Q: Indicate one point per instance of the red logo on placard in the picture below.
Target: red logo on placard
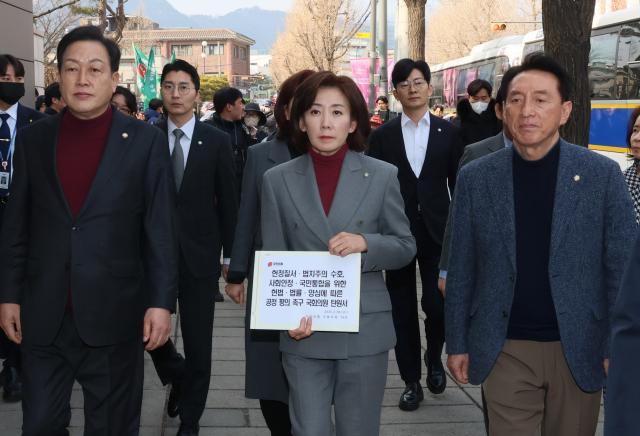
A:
(270, 264)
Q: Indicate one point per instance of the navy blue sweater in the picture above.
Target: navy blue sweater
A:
(533, 315)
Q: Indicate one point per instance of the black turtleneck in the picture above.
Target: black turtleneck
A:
(533, 315)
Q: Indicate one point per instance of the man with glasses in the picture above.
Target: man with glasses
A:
(124, 100)
(206, 214)
(13, 116)
(426, 150)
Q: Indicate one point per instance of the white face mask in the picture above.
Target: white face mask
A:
(251, 121)
(479, 106)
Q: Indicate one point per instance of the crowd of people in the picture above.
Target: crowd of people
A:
(111, 219)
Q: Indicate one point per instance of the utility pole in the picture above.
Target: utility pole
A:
(384, 81)
(372, 56)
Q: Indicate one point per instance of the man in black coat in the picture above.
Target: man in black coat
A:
(476, 113)
(206, 215)
(89, 251)
(426, 150)
(13, 117)
(229, 107)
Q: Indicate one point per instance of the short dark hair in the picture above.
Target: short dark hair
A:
(383, 99)
(180, 65)
(438, 106)
(129, 98)
(6, 60)
(155, 104)
(50, 92)
(285, 94)
(306, 94)
(507, 78)
(225, 96)
(40, 102)
(89, 33)
(403, 68)
(478, 85)
(541, 62)
(632, 120)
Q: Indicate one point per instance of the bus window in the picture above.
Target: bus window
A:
(486, 72)
(628, 71)
(602, 61)
(533, 47)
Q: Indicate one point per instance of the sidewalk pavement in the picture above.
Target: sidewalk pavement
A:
(456, 412)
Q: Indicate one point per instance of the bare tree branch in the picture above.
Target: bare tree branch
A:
(55, 8)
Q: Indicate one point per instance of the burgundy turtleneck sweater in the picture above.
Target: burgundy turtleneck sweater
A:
(327, 169)
(81, 144)
(78, 154)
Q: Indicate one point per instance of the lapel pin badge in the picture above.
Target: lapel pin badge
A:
(576, 178)
(199, 142)
(366, 174)
(125, 135)
(439, 129)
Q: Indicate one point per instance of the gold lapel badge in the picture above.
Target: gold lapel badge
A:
(125, 135)
(576, 178)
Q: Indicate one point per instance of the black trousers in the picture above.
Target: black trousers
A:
(404, 302)
(196, 304)
(111, 378)
(10, 351)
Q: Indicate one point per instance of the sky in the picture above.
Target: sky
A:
(221, 7)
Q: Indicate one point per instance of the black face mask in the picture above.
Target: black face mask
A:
(11, 92)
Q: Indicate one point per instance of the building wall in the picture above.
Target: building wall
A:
(16, 34)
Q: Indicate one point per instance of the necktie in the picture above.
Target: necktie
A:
(5, 137)
(177, 157)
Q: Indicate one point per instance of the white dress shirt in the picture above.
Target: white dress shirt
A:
(12, 121)
(185, 141)
(416, 138)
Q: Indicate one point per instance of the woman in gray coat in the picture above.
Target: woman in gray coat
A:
(334, 198)
(264, 376)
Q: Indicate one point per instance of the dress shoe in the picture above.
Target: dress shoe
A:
(411, 397)
(436, 377)
(218, 297)
(12, 385)
(173, 405)
(188, 430)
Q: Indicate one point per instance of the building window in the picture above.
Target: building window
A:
(182, 50)
(243, 53)
(215, 49)
(235, 51)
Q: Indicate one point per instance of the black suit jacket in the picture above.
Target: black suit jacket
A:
(26, 116)
(207, 205)
(123, 233)
(426, 197)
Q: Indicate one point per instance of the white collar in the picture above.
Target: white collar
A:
(404, 119)
(187, 128)
(12, 111)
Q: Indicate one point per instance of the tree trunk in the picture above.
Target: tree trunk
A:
(102, 14)
(415, 9)
(567, 31)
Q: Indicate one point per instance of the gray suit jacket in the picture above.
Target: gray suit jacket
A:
(367, 201)
(592, 216)
(471, 153)
(260, 158)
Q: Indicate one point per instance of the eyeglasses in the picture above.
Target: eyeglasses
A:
(182, 88)
(124, 110)
(417, 84)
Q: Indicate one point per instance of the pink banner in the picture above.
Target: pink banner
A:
(360, 74)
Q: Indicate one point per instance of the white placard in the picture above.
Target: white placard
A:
(288, 285)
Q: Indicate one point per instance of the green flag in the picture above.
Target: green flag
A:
(150, 88)
(173, 56)
(141, 68)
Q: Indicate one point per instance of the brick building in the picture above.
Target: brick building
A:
(211, 51)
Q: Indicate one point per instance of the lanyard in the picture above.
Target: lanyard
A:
(5, 161)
